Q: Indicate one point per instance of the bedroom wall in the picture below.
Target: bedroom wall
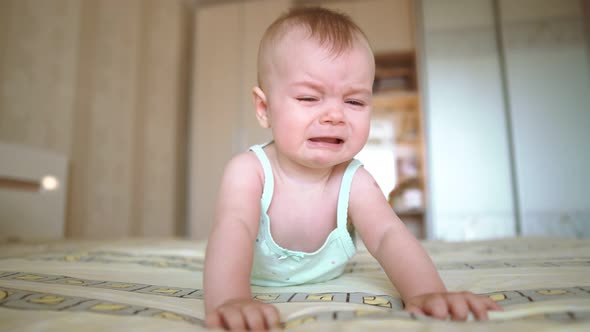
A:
(223, 122)
(388, 24)
(104, 83)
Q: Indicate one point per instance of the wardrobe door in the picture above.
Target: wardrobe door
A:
(467, 137)
(548, 72)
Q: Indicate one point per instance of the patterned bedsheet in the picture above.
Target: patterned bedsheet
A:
(542, 283)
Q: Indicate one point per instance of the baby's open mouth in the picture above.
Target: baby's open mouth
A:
(330, 140)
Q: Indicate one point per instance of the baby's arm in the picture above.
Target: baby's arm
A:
(404, 260)
(228, 260)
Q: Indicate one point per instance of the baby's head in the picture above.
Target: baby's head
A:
(315, 72)
(334, 31)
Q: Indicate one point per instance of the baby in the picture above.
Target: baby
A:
(281, 217)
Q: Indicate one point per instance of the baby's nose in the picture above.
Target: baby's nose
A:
(334, 114)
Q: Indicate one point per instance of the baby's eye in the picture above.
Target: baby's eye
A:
(355, 102)
(307, 99)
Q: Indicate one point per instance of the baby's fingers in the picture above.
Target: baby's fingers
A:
(232, 318)
(436, 306)
(254, 318)
(271, 316)
(459, 308)
(414, 309)
(478, 308)
(214, 321)
(480, 305)
(492, 305)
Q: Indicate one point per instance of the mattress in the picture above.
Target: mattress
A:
(156, 284)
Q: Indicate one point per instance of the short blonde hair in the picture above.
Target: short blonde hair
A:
(334, 30)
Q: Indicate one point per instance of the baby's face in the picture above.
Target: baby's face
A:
(319, 104)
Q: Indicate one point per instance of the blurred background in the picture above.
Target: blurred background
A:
(117, 117)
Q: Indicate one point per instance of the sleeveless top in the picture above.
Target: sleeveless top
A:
(276, 266)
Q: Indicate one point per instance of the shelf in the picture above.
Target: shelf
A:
(395, 71)
(415, 212)
(396, 102)
(396, 99)
(406, 182)
(407, 142)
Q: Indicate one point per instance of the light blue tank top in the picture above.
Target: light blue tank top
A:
(276, 266)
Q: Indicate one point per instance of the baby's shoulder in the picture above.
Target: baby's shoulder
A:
(362, 176)
(244, 165)
(244, 162)
(363, 182)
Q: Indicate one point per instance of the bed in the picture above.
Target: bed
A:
(156, 285)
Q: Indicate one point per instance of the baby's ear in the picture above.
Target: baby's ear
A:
(261, 107)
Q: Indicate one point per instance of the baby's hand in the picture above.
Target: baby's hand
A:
(457, 305)
(244, 314)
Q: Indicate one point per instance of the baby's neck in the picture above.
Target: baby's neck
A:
(303, 176)
(297, 174)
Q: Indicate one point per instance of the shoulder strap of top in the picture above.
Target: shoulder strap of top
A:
(267, 191)
(344, 194)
